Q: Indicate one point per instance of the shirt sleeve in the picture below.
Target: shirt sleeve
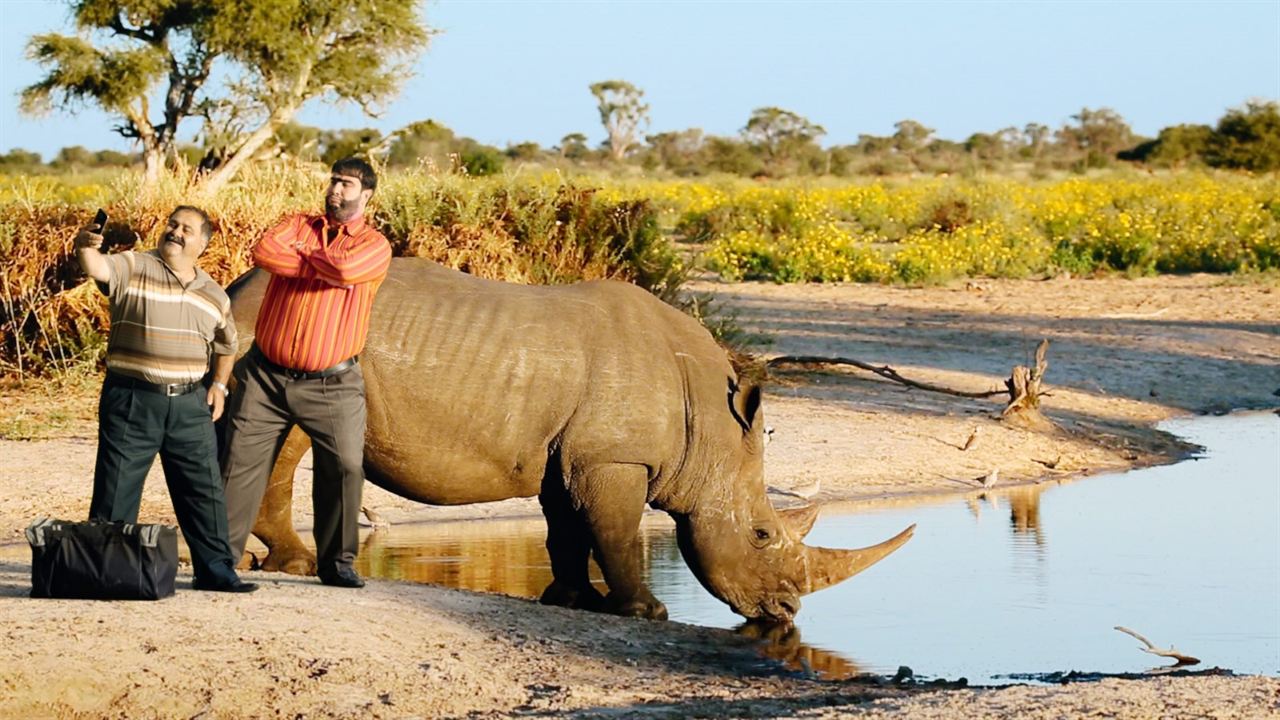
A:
(120, 273)
(275, 252)
(365, 259)
(224, 335)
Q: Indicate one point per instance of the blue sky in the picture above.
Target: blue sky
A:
(511, 71)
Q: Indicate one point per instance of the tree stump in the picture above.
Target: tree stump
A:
(1023, 409)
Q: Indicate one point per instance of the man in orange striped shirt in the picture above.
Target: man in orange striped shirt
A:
(304, 370)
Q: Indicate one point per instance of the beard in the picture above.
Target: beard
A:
(341, 210)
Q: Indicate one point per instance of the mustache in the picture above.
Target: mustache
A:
(170, 237)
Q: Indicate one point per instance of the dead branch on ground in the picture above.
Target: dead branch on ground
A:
(883, 371)
(1162, 652)
(1023, 386)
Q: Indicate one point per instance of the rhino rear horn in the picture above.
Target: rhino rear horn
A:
(799, 519)
(827, 566)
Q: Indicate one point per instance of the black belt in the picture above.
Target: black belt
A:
(304, 374)
(170, 390)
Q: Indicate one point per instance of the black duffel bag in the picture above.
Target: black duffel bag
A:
(102, 560)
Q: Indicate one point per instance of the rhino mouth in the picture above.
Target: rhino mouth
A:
(780, 609)
(777, 610)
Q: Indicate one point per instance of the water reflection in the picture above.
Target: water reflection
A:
(1024, 509)
(499, 556)
(782, 643)
(509, 557)
(981, 591)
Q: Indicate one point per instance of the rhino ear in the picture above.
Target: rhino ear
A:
(744, 402)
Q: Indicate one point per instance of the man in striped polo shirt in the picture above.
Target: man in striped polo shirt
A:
(303, 367)
(168, 318)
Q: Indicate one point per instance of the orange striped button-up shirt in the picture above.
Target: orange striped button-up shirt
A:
(315, 313)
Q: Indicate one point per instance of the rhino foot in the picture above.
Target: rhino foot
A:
(294, 562)
(562, 595)
(649, 607)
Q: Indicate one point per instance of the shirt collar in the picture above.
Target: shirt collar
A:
(352, 226)
(200, 278)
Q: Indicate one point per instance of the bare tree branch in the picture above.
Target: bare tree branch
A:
(883, 371)
(1162, 652)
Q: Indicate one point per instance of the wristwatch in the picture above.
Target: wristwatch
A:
(225, 390)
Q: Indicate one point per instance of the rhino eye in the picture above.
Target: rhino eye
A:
(761, 536)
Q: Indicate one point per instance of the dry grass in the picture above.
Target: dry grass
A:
(543, 230)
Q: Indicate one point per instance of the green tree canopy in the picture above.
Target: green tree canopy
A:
(680, 152)
(910, 137)
(573, 146)
(423, 140)
(1247, 138)
(157, 39)
(279, 54)
(781, 136)
(19, 158)
(1097, 134)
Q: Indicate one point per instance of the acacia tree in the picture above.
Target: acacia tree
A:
(279, 54)
(1098, 135)
(910, 137)
(291, 51)
(1037, 135)
(573, 146)
(780, 135)
(161, 39)
(622, 112)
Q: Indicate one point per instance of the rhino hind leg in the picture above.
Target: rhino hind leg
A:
(274, 526)
(568, 546)
(612, 498)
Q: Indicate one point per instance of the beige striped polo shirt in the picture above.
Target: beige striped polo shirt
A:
(164, 331)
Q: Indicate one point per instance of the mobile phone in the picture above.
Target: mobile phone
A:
(100, 220)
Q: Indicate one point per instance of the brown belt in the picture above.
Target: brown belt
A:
(303, 374)
(170, 390)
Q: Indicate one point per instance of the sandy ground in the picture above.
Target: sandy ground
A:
(1124, 355)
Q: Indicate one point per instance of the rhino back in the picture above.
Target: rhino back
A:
(473, 384)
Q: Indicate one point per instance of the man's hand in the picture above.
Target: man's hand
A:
(90, 237)
(216, 400)
(91, 260)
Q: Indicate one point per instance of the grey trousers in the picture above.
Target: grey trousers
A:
(263, 409)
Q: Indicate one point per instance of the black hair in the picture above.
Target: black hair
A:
(357, 168)
(206, 224)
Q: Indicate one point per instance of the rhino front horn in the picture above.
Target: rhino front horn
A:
(827, 566)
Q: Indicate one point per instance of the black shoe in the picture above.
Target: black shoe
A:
(342, 577)
(231, 586)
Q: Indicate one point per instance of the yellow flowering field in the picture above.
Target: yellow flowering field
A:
(937, 229)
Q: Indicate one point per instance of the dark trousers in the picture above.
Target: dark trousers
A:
(134, 425)
(264, 407)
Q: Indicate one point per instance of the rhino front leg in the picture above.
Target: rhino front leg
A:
(569, 547)
(612, 498)
(274, 526)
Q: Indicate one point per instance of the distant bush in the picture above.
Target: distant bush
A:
(1247, 138)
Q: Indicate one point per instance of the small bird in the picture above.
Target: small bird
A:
(990, 479)
(375, 519)
(807, 490)
(804, 492)
(973, 437)
(768, 434)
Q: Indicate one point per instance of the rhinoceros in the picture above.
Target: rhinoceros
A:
(598, 398)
